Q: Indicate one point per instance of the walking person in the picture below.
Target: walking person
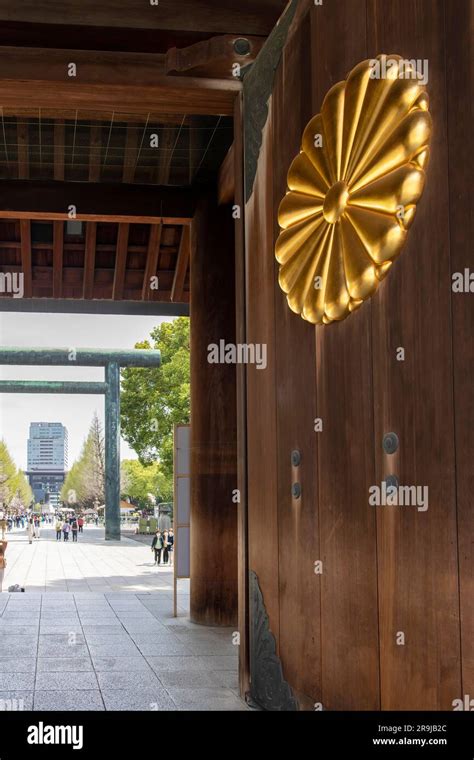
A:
(3, 561)
(80, 523)
(165, 547)
(59, 528)
(36, 527)
(170, 545)
(157, 546)
(74, 528)
(3, 524)
(66, 529)
(30, 528)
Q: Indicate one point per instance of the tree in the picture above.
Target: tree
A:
(154, 400)
(85, 482)
(144, 483)
(14, 487)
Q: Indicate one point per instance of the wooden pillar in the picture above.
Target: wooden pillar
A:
(213, 419)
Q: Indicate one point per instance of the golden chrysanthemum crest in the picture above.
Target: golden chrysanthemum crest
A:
(353, 190)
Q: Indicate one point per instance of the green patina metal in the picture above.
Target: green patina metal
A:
(47, 386)
(111, 360)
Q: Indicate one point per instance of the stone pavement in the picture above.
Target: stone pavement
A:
(95, 631)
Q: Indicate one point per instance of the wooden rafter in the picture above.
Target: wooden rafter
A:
(130, 157)
(58, 254)
(95, 153)
(26, 263)
(59, 140)
(120, 261)
(152, 260)
(181, 265)
(89, 259)
(167, 137)
(23, 149)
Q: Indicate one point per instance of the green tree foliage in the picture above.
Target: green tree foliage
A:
(144, 484)
(84, 483)
(14, 487)
(154, 400)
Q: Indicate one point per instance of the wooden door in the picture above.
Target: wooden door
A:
(330, 639)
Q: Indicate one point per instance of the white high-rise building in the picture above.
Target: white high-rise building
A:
(47, 460)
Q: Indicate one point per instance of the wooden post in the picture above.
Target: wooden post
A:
(213, 420)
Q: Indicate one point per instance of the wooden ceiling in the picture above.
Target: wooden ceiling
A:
(127, 141)
(135, 201)
(105, 260)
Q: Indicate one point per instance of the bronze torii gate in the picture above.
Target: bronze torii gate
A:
(111, 360)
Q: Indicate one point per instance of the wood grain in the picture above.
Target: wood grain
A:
(349, 635)
(213, 420)
(298, 519)
(459, 37)
(417, 557)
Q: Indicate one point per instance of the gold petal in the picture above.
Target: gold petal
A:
(381, 234)
(422, 158)
(292, 240)
(316, 154)
(311, 305)
(392, 191)
(408, 216)
(295, 267)
(337, 296)
(396, 100)
(295, 207)
(376, 93)
(361, 272)
(382, 270)
(405, 141)
(332, 112)
(356, 88)
(303, 177)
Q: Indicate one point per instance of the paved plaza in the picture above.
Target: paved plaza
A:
(95, 631)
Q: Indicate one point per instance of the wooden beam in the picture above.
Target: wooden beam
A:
(59, 146)
(167, 139)
(25, 239)
(120, 261)
(226, 179)
(23, 149)
(58, 254)
(212, 16)
(74, 37)
(181, 265)
(89, 259)
(126, 82)
(215, 57)
(108, 202)
(95, 153)
(130, 156)
(152, 260)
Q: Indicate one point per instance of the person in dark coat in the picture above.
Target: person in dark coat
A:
(157, 546)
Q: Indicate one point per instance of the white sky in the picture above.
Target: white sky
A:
(59, 331)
